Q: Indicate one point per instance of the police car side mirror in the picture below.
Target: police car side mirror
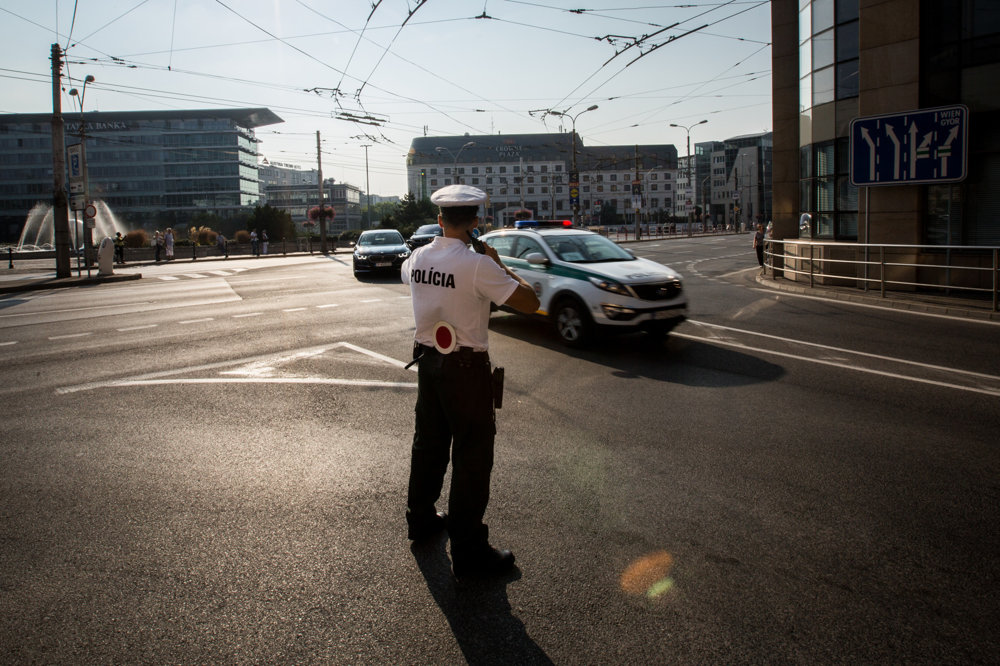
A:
(538, 259)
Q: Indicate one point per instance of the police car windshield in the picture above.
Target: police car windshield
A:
(381, 238)
(587, 249)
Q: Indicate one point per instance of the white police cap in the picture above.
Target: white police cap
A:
(458, 195)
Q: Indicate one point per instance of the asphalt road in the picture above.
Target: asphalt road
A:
(209, 466)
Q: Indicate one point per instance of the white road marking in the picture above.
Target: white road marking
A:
(252, 369)
(193, 275)
(137, 328)
(293, 309)
(92, 307)
(371, 300)
(845, 366)
(5, 344)
(71, 335)
(167, 277)
(969, 320)
(249, 314)
(329, 305)
(742, 270)
(196, 321)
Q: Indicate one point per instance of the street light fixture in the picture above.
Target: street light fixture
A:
(688, 130)
(575, 173)
(442, 149)
(88, 238)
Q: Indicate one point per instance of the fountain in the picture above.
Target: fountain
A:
(38, 232)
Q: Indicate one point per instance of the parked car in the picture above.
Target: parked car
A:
(423, 235)
(380, 250)
(587, 283)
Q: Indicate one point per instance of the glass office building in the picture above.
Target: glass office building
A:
(835, 61)
(152, 168)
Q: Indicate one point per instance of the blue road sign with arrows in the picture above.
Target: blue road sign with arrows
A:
(911, 148)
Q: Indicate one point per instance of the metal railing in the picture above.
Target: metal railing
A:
(971, 269)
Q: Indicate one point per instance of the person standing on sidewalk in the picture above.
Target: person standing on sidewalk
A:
(758, 245)
(451, 289)
(158, 244)
(168, 241)
(119, 247)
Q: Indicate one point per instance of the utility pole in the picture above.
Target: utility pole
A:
(60, 206)
(635, 211)
(322, 216)
(368, 187)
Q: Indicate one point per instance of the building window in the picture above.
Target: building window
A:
(475, 170)
(503, 169)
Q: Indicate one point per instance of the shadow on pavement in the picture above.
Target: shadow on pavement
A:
(675, 360)
(478, 612)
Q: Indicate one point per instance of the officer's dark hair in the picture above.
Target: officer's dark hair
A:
(457, 216)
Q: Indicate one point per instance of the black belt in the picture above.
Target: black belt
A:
(467, 354)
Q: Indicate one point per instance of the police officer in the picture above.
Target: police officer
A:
(452, 288)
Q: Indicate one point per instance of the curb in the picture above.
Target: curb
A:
(948, 308)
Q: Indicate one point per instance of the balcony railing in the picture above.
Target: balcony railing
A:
(972, 271)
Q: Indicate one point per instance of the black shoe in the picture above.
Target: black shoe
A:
(423, 529)
(483, 562)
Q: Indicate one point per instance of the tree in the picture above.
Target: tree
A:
(276, 222)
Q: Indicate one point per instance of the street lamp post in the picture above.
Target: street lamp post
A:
(455, 156)
(688, 130)
(88, 238)
(575, 173)
(704, 201)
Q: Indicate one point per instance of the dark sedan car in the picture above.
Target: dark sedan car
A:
(380, 250)
(424, 235)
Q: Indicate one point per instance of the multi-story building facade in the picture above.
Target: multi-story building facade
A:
(532, 171)
(297, 199)
(149, 167)
(837, 61)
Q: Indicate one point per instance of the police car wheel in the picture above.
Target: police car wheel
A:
(572, 322)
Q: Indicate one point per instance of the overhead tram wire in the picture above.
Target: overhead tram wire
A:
(329, 66)
(420, 3)
(120, 16)
(411, 62)
(591, 94)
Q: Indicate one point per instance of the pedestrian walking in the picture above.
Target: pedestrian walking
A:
(253, 242)
(263, 240)
(158, 244)
(168, 243)
(451, 290)
(220, 243)
(758, 245)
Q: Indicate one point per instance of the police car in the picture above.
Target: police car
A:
(587, 283)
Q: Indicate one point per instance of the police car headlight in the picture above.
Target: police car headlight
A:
(610, 285)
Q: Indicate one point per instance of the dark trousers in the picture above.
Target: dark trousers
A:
(760, 255)
(454, 415)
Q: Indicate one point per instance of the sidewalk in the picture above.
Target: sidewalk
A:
(967, 307)
(38, 274)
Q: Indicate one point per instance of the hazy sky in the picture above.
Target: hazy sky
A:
(386, 71)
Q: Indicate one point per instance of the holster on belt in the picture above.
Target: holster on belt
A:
(497, 388)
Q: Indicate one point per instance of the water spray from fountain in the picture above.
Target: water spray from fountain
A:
(38, 232)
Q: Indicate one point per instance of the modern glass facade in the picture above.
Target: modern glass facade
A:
(828, 91)
(145, 165)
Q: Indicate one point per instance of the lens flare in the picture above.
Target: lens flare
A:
(649, 575)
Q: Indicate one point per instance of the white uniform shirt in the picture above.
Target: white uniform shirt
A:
(451, 283)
